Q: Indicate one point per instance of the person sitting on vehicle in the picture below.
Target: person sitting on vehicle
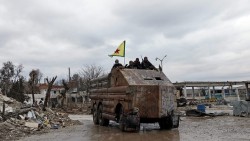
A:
(130, 66)
(146, 64)
(137, 63)
(117, 64)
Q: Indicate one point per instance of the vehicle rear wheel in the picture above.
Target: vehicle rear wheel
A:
(176, 125)
(95, 115)
(102, 121)
(166, 123)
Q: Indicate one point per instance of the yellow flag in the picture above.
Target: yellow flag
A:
(120, 51)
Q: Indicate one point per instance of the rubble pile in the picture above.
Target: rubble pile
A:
(23, 120)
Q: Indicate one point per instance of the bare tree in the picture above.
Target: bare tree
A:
(11, 81)
(33, 81)
(66, 88)
(87, 73)
(17, 75)
(17, 90)
(50, 84)
(6, 75)
(40, 75)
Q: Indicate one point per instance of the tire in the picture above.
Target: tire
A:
(161, 124)
(121, 124)
(122, 127)
(137, 129)
(178, 121)
(95, 115)
(102, 121)
(166, 123)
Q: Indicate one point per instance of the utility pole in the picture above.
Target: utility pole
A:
(69, 75)
(161, 60)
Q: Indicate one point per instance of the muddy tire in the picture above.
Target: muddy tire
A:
(122, 127)
(137, 128)
(121, 123)
(178, 121)
(166, 123)
(95, 115)
(102, 121)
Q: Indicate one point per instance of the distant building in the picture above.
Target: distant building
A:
(229, 90)
(56, 90)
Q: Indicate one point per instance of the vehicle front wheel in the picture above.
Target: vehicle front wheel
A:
(95, 115)
(176, 121)
(102, 121)
(121, 122)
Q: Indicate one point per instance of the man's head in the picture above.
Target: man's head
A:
(130, 62)
(137, 60)
(145, 58)
(116, 61)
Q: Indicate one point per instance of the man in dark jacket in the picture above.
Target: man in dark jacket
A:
(117, 64)
(146, 64)
(137, 63)
(130, 66)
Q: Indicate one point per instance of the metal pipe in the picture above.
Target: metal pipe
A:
(161, 60)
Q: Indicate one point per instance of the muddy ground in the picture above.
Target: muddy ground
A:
(221, 128)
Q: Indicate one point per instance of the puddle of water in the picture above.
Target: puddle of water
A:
(81, 117)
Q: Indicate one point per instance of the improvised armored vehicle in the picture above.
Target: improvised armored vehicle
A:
(134, 96)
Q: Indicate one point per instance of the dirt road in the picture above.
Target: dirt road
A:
(225, 128)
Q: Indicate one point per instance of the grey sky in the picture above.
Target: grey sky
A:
(203, 40)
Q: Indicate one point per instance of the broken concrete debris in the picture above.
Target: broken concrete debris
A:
(31, 124)
(23, 120)
(241, 108)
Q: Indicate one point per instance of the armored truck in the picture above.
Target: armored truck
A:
(134, 96)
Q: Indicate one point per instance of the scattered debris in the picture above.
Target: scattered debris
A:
(198, 113)
(241, 108)
(221, 114)
(181, 102)
(31, 124)
(6, 99)
(195, 113)
(24, 120)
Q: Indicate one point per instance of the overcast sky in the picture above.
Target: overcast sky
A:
(204, 40)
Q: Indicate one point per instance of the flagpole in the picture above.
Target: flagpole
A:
(124, 61)
(124, 51)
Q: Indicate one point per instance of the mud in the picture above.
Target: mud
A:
(224, 128)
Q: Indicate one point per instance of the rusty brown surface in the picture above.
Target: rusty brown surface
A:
(108, 103)
(99, 96)
(120, 89)
(117, 78)
(149, 90)
(147, 100)
(167, 100)
(145, 77)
